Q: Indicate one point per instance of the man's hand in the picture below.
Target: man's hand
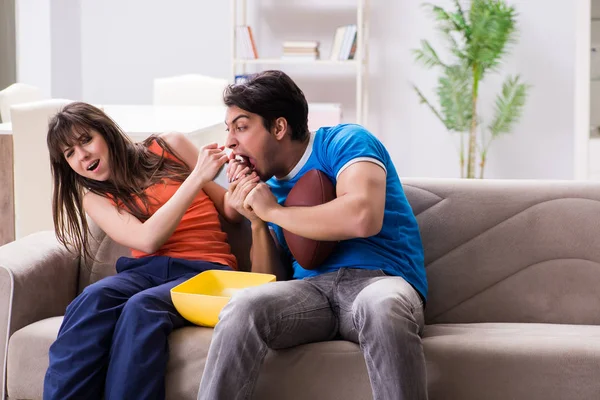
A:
(238, 191)
(261, 201)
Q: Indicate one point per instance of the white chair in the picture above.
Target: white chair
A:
(189, 90)
(32, 176)
(17, 93)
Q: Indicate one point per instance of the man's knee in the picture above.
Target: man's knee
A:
(262, 306)
(385, 301)
(250, 304)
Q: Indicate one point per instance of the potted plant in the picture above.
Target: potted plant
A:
(477, 40)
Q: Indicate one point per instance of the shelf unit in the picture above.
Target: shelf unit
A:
(359, 63)
(593, 156)
(266, 61)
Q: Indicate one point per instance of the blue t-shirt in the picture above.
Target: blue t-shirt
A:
(397, 248)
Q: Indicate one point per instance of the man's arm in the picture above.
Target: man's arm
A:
(357, 211)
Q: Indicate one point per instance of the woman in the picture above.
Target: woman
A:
(156, 197)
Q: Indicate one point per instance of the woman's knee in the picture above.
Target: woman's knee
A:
(141, 305)
(96, 296)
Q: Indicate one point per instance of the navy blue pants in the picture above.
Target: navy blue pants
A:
(113, 339)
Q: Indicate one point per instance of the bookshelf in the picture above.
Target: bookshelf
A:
(359, 63)
(267, 61)
(593, 156)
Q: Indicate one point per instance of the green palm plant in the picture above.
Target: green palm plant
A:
(477, 40)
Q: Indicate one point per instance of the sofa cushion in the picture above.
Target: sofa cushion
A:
(288, 374)
(464, 361)
(495, 361)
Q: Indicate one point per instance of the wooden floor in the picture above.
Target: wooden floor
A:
(7, 212)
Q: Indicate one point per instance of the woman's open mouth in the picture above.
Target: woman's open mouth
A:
(93, 166)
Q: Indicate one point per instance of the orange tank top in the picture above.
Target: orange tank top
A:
(199, 235)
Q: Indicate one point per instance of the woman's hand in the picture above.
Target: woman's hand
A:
(238, 190)
(210, 161)
(237, 168)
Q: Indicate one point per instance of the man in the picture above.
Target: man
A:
(369, 291)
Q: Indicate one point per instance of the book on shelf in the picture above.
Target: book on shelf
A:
(245, 44)
(300, 50)
(344, 43)
(310, 44)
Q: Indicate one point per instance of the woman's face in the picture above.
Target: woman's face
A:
(88, 156)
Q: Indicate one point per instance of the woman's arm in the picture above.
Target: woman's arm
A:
(220, 196)
(188, 152)
(265, 254)
(150, 235)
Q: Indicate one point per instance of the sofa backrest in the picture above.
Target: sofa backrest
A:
(509, 251)
(107, 252)
(495, 251)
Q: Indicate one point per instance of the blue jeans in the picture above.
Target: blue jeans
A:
(383, 314)
(113, 339)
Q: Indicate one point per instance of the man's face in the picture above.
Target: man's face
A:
(247, 137)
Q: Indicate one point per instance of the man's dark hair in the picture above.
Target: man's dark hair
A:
(272, 94)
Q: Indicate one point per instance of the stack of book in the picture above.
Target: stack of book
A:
(344, 43)
(246, 47)
(305, 50)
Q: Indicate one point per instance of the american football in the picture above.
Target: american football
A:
(312, 189)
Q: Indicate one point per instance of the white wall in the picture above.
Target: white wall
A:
(542, 145)
(127, 44)
(33, 43)
(65, 28)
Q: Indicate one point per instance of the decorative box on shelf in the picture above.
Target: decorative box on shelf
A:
(323, 114)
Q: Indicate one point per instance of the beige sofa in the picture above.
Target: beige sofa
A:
(513, 311)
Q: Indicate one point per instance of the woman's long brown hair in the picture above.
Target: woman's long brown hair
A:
(133, 168)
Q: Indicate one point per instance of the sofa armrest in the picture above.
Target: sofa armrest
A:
(38, 279)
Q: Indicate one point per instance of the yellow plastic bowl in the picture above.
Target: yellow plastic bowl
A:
(201, 298)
